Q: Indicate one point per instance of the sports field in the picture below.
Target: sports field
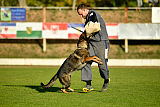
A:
(129, 87)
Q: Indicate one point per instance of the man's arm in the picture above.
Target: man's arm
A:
(92, 17)
(92, 25)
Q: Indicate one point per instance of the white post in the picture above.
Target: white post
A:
(44, 20)
(126, 45)
(74, 4)
(44, 14)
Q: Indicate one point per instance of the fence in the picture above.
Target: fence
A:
(44, 29)
(110, 14)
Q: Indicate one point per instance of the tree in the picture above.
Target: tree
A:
(2, 2)
(22, 3)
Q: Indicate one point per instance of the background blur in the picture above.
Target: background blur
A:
(64, 11)
(92, 3)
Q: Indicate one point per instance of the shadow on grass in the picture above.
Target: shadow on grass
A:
(51, 89)
(38, 88)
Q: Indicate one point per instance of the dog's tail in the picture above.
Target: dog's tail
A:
(51, 82)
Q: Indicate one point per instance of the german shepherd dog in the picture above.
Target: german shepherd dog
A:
(76, 61)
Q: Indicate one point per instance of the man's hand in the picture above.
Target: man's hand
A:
(92, 27)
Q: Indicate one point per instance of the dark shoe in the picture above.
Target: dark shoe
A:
(105, 86)
(87, 88)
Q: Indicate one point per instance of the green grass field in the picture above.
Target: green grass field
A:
(129, 87)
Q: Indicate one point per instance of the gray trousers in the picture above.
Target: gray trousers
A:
(101, 50)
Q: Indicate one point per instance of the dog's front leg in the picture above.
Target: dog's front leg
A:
(93, 58)
(96, 58)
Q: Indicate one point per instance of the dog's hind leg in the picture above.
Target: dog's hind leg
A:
(69, 82)
(51, 82)
(66, 81)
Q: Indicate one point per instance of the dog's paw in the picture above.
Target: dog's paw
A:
(70, 89)
(99, 59)
(101, 63)
(64, 91)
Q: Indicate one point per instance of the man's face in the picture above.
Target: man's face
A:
(83, 13)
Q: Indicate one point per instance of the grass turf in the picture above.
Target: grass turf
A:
(129, 87)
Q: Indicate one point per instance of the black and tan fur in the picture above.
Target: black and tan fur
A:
(76, 61)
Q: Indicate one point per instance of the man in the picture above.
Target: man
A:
(98, 46)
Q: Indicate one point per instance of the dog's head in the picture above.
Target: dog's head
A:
(83, 41)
